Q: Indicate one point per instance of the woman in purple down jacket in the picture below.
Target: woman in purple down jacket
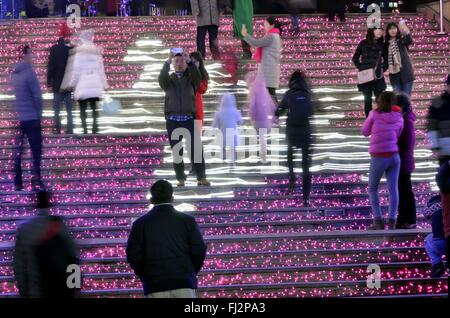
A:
(384, 126)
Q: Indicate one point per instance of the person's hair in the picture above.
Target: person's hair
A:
(390, 26)
(161, 192)
(404, 102)
(43, 200)
(24, 50)
(198, 56)
(298, 74)
(276, 24)
(178, 54)
(385, 102)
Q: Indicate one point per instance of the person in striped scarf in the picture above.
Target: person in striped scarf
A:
(401, 72)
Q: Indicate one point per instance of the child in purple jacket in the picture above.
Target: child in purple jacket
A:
(407, 202)
(384, 126)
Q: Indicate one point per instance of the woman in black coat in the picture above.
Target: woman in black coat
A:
(396, 51)
(298, 103)
(368, 55)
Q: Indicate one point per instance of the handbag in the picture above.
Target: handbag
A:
(110, 106)
(368, 75)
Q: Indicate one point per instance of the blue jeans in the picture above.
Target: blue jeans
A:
(378, 166)
(403, 88)
(435, 248)
(58, 98)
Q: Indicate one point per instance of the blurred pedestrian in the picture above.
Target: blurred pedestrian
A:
(44, 249)
(439, 124)
(268, 53)
(28, 105)
(243, 16)
(227, 119)
(207, 15)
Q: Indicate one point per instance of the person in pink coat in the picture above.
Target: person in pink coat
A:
(384, 126)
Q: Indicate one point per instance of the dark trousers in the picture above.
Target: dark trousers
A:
(336, 7)
(212, 30)
(443, 160)
(407, 201)
(58, 99)
(448, 251)
(306, 162)
(273, 93)
(32, 130)
(193, 144)
(83, 106)
(368, 91)
(246, 49)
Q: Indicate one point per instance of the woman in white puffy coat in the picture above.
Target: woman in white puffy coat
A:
(86, 76)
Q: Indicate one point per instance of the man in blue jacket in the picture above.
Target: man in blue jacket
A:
(165, 248)
(28, 107)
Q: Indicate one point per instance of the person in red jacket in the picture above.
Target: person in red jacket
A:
(200, 115)
(407, 203)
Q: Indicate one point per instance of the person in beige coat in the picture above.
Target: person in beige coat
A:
(207, 14)
(268, 53)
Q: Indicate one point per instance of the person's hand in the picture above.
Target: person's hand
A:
(244, 31)
(386, 73)
(196, 13)
(169, 60)
(186, 57)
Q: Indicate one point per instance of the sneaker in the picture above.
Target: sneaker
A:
(437, 270)
(390, 224)
(181, 183)
(204, 182)
(378, 224)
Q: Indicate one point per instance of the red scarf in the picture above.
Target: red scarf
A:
(258, 54)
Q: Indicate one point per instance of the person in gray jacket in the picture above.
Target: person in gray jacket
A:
(268, 53)
(207, 14)
(28, 107)
(180, 112)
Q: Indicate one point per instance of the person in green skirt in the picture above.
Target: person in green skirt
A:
(243, 15)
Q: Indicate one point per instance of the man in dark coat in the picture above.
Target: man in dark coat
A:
(207, 15)
(165, 248)
(57, 62)
(44, 249)
(298, 103)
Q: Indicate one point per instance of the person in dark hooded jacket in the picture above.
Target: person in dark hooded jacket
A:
(406, 218)
(28, 107)
(57, 63)
(298, 104)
